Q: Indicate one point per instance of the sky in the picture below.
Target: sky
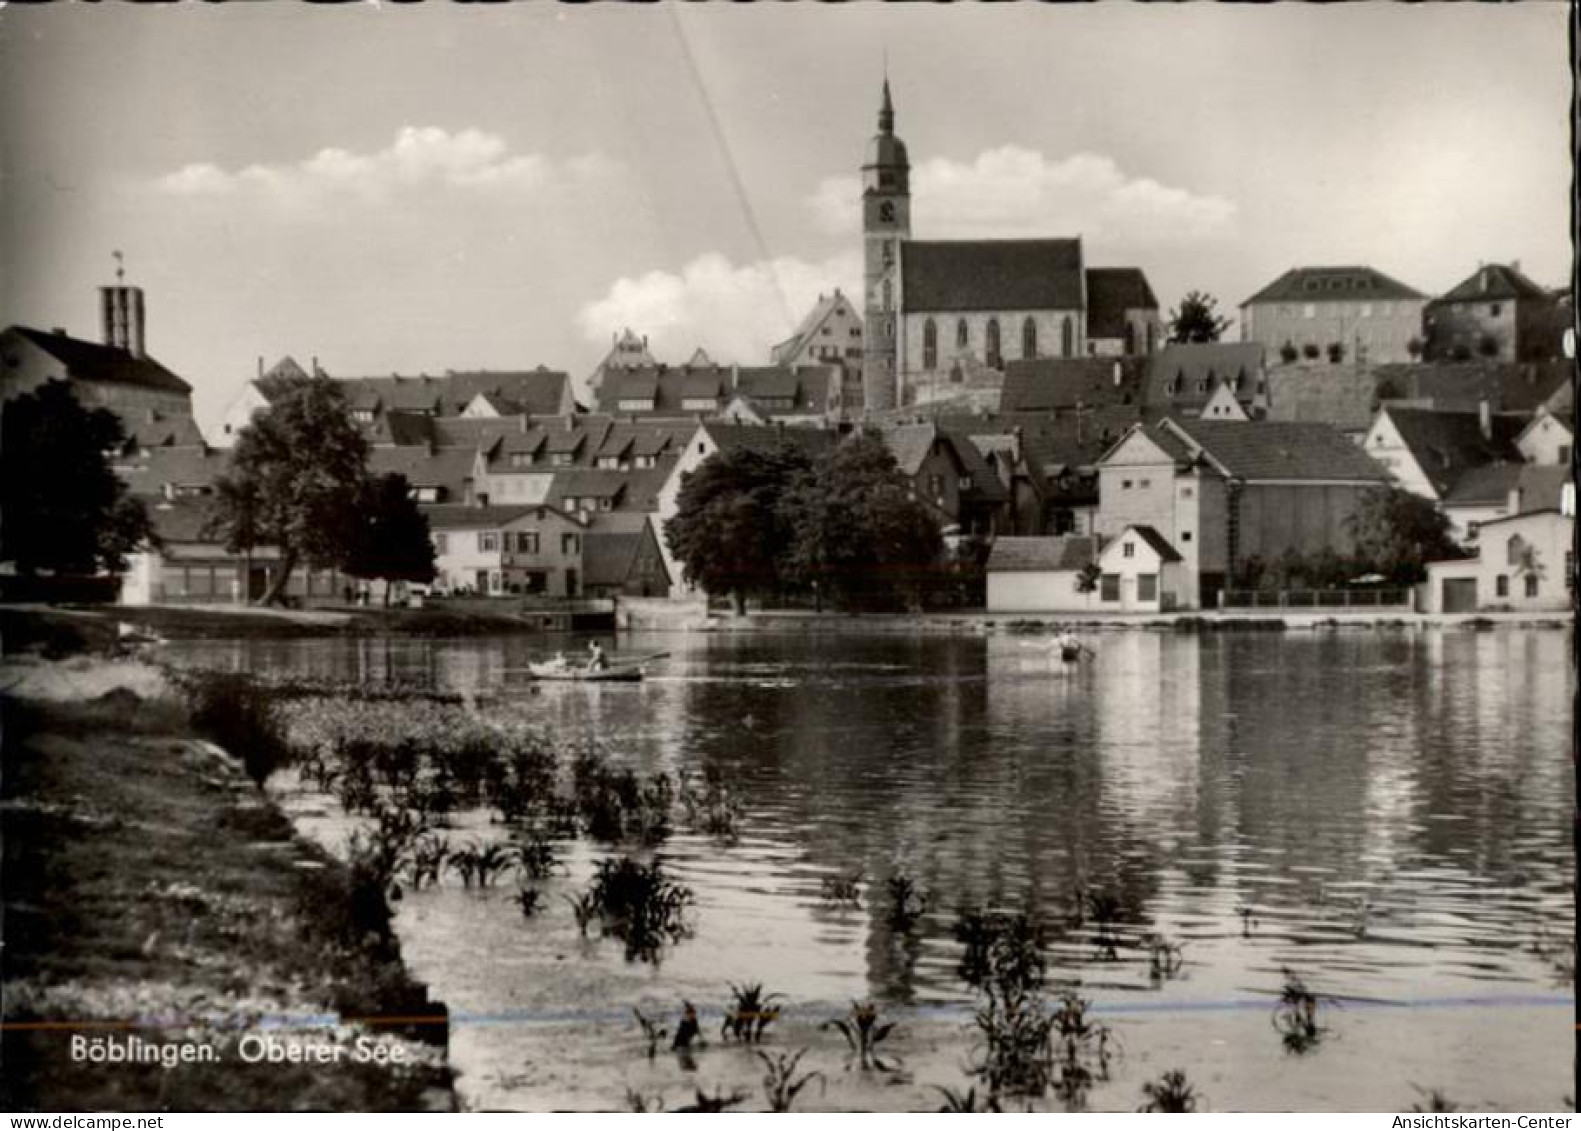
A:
(414, 189)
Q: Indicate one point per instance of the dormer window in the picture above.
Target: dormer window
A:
(521, 459)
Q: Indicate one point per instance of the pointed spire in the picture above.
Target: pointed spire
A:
(886, 112)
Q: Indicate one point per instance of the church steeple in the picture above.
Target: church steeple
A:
(886, 225)
(886, 112)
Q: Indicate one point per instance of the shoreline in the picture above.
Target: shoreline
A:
(175, 944)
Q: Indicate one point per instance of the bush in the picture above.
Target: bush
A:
(1488, 345)
(236, 713)
(1310, 351)
(1336, 352)
(1288, 352)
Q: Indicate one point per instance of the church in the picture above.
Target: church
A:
(943, 313)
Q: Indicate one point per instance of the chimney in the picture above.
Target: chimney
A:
(735, 376)
(260, 365)
(1485, 419)
(60, 331)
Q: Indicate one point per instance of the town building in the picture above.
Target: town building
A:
(1215, 380)
(1140, 572)
(1495, 313)
(949, 473)
(1523, 563)
(703, 390)
(1427, 452)
(621, 557)
(531, 551)
(940, 313)
(1548, 438)
(1221, 493)
(626, 351)
(115, 373)
(830, 334)
(1040, 574)
(1370, 316)
(1498, 490)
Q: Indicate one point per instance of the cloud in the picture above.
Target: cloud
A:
(1011, 191)
(420, 158)
(735, 312)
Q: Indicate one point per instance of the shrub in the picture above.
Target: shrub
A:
(1288, 352)
(1310, 351)
(237, 714)
(640, 905)
(1336, 352)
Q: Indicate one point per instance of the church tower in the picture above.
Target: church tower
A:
(886, 222)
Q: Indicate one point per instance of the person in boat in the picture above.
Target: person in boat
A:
(1069, 647)
(595, 657)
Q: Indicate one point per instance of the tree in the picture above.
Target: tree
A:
(1397, 533)
(64, 508)
(1087, 578)
(858, 533)
(729, 531)
(392, 539)
(295, 481)
(1197, 319)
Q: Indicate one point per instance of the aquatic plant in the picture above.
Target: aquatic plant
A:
(749, 1013)
(1435, 1100)
(1015, 1047)
(863, 1033)
(907, 903)
(652, 1032)
(1006, 950)
(687, 1031)
(529, 900)
(535, 857)
(1103, 908)
(1295, 1017)
(845, 888)
(1165, 957)
(705, 1103)
(1171, 1093)
(640, 1104)
(781, 1084)
(584, 908)
(713, 808)
(1081, 1051)
(426, 860)
(640, 905)
(484, 863)
(965, 1103)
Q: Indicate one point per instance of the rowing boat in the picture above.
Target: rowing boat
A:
(627, 673)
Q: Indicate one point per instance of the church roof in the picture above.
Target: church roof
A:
(951, 275)
(1111, 291)
(90, 361)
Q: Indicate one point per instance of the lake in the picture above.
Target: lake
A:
(1386, 813)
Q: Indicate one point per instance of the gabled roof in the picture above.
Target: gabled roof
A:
(403, 429)
(1461, 386)
(1025, 555)
(154, 429)
(627, 489)
(1008, 275)
(1447, 444)
(1111, 291)
(1153, 538)
(821, 312)
(1491, 282)
(448, 469)
(1057, 384)
(1264, 450)
(1334, 284)
(1342, 395)
(99, 364)
(911, 445)
(1184, 366)
(1481, 486)
(152, 469)
(1541, 486)
(182, 520)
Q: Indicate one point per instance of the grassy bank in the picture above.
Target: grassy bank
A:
(153, 895)
(96, 626)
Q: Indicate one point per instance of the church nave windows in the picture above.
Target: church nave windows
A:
(1067, 338)
(963, 337)
(930, 345)
(1029, 339)
(991, 351)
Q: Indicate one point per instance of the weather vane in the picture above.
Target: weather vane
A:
(120, 267)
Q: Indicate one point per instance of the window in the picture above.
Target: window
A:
(1531, 585)
(1147, 587)
(1067, 338)
(930, 345)
(1513, 549)
(1109, 587)
(426, 494)
(1125, 484)
(991, 350)
(441, 543)
(1029, 339)
(1130, 339)
(1185, 535)
(1309, 311)
(1185, 492)
(936, 485)
(527, 542)
(1501, 585)
(1128, 550)
(1144, 483)
(488, 541)
(966, 483)
(521, 459)
(1564, 453)
(1493, 309)
(568, 542)
(889, 294)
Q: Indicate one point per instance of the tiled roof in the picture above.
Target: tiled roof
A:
(1447, 444)
(154, 429)
(1153, 538)
(810, 323)
(182, 520)
(1334, 284)
(986, 484)
(1263, 450)
(1460, 386)
(446, 468)
(992, 275)
(628, 489)
(1484, 485)
(734, 437)
(1341, 395)
(910, 444)
(461, 517)
(403, 429)
(90, 361)
(1052, 385)
(1541, 486)
(1493, 281)
(1024, 555)
(1111, 291)
(1185, 365)
(152, 469)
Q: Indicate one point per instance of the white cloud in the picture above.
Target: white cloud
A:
(1011, 191)
(734, 312)
(420, 158)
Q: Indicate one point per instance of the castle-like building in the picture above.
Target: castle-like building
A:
(942, 313)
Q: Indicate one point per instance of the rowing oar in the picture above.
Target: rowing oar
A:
(643, 659)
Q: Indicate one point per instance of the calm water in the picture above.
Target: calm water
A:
(1387, 813)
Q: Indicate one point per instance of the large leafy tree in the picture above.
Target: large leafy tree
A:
(1197, 319)
(729, 531)
(392, 539)
(295, 481)
(62, 507)
(1397, 533)
(858, 534)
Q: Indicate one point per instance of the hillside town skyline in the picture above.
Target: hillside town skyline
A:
(1183, 230)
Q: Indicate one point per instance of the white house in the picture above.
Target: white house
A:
(1524, 563)
(1140, 572)
(1038, 575)
(1548, 439)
